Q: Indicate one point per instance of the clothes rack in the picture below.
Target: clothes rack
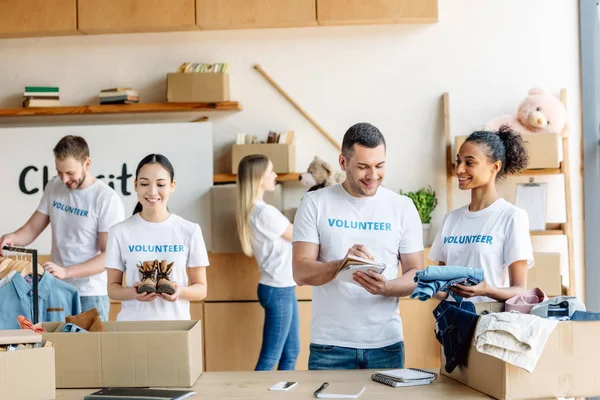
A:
(34, 265)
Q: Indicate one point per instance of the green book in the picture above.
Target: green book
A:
(41, 89)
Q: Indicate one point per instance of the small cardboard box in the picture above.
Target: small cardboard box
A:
(128, 354)
(19, 369)
(282, 155)
(197, 87)
(544, 149)
(566, 368)
(224, 233)
(545, 274)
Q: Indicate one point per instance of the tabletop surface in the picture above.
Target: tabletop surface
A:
(255, 385)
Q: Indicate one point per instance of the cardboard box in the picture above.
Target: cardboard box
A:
(544, 149)
(224, 233)
(283, 156)
(19, 368)
(566, 368)
(128, 354)
(545, 274)
(197, 87)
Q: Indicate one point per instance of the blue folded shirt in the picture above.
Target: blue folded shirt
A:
(435, 279)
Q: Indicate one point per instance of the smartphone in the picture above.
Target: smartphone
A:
(283, 385)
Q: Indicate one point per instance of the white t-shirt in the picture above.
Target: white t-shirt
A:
(136, 240)
(273, 253)
(76, 218)
(492, 239)
(344, 314)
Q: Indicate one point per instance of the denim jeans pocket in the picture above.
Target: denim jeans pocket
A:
(321, 347)
(394, 348)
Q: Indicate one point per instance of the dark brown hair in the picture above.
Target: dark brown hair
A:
(72, 146)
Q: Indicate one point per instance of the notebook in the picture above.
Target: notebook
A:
(404, 377)
(341, 391)
(352, 264)
(139, 394)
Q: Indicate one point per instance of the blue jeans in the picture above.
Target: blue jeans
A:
(281, 332)
(101, 303)
(337, 357)
(585, 316)
(455, 325)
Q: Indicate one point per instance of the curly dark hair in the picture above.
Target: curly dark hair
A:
(505, 145)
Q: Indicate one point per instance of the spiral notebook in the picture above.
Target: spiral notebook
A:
(404, 377)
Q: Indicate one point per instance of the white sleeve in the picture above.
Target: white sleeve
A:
(44, 206)
(517, 245)
(112, 257)
(412, 231)
(271, 222)
(436, 252)
(305, 222)
(197, 256)
(110, 211)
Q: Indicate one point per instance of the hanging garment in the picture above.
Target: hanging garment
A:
(56, 301)
(454, 328)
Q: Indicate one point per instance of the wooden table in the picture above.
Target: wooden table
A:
(254, 385)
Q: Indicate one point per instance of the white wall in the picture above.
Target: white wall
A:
(487, 54)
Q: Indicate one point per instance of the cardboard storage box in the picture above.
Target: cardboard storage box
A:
(19, 369)
(545, 274)
(128, 354)
(224, 233)
(566, 368)
(197, 87)
(544, 149)
(283, 156)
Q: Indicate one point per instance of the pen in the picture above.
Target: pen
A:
(319, 390)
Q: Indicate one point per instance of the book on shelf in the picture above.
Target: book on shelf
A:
(352, 264)
(404, 377)
(41, 89)
(29, 102)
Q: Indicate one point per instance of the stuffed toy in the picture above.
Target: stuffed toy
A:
(320, 174)
(540, 112)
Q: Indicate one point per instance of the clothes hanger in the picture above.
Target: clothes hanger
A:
(9, 267)
(4, 264)
(28, 269)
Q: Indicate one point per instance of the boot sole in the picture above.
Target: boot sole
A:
(165, 289)
(146, 289)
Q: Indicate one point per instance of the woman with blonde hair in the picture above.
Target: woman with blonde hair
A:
(267, 234)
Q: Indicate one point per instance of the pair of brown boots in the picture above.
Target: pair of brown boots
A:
(155, 277)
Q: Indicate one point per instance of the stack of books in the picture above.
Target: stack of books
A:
(124, 95)
(41, 96)
(273, 137)
(404, 377)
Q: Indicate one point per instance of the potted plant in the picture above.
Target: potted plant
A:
(425, 200)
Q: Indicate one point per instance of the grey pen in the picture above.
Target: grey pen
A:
(319, 390)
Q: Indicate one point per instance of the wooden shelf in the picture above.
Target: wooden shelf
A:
(527, 172)
(230, 178)
(121, 109)
(551, 229)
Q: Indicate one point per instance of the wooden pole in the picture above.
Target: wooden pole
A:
(449, 164)
(297, 106)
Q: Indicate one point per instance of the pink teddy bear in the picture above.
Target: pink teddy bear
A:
(540, 112)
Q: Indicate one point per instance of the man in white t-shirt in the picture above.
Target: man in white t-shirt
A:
(357, 326)
(80, 210)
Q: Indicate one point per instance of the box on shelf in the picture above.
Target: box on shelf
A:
(282, 155)
(224, 229)
(545, 274)
(19, 368)
(197, 87)
(566, 368)
(545, 149)
(128, 354)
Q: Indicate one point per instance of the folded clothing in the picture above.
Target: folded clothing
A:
(525, 302)
(88, 320)
(516, 338)
(560, 307)
(435, 279)
(25, 323)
